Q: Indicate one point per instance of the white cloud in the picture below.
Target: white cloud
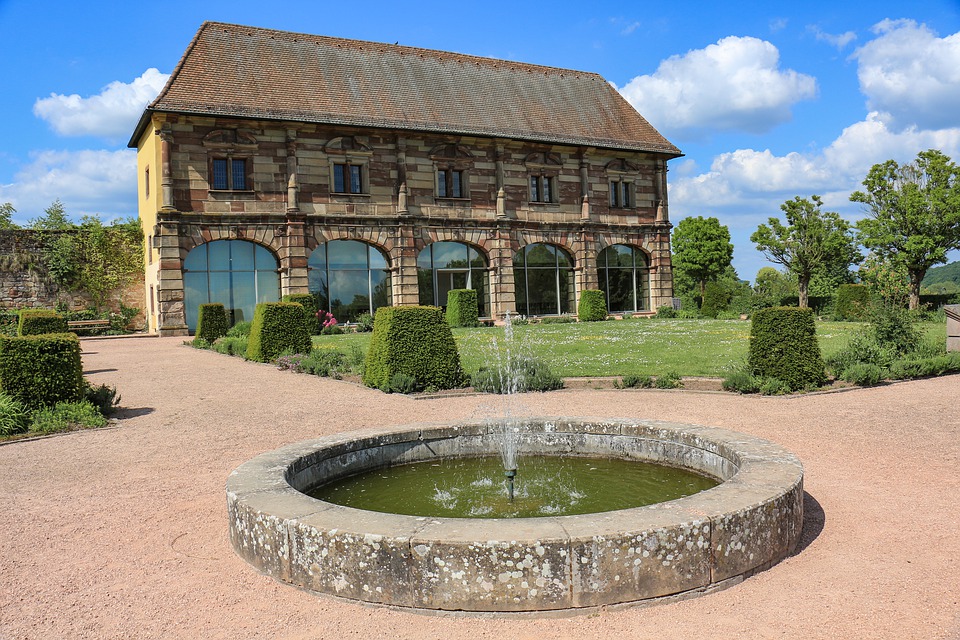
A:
(87, 182)
(112, 113)
(840, 41)
(912, 74)
(735, 84)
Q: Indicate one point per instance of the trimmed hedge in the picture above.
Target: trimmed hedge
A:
(42, 370)
(853, 302)
(309, 303)
(212, 321)
(592, 306)
(462, 309)
(415, 341)
(35, 322)
(278, 326)
(716, 297)
(783, 345)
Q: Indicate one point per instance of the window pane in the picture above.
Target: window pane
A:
(563, 260)
(355, 179)
(346, 254)
(194, 294)
(565, 277)
(377, 259)
(449, 255)
(534, 189)
(263, 259)
(196, 260)
(382, 296)
(541, 255)
(349, 294)
(478, 281)
(547, 195)
(339, 182)
(244, 294)
(241, 255)
(542, 291)
(268, 286)
(441, 183)
(626, 194)
(425, 284)
(239, 174)
(219, 173)
(520, 290)
(614, 194)
(457, 183)
(318, 258)
(218, 255)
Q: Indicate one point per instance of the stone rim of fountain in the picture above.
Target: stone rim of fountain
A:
(681, 548)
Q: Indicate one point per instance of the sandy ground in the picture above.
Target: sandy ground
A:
(122, 532)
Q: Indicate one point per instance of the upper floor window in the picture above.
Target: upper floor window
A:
(347, 178)
(146, 182)
(450, 183)
(542, 189)
(623, 175)
(621, 194)
(229, 174)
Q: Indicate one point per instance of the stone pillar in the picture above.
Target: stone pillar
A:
(293, 181)
(292, 235)
(502, 288)
(661, 271)
(403, 258)
(953, 326)
(660, 184)
(586, 274)
(172, 319)
(166, 172)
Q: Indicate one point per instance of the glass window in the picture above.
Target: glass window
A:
(347, 178)
(450, 184)
(620, 194)
(220, 173)
(236, 273)
(350, 278)
(443, 266)
(239, 168)
(543, 280)
(541, 189)
(624, 277)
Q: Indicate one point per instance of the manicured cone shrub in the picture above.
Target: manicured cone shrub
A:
(278, 326)
(415, 341)
(852, 302)
(211, 322)
(35, 322)
(42, 370)
(309, 303)
(715, 299)
(592, 306)
(462, 309)
(783, 345)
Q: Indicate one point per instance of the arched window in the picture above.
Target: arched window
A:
(350, 278)
(625, 278)
(543, 280)
(236, 273)
(443, 266)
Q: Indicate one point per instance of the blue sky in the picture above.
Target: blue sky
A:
(767, 100)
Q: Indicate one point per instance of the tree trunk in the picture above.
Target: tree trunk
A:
(803, 285)
(916, 277)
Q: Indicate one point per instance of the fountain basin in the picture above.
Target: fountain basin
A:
(684, 547)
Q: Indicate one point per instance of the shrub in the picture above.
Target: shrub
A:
(309, 303)
(669, 380)
(521, 374)
(741, 381)
(402, 383)
(65, 416)
(291, 362)
(592, 306)
(783, 345)
(277, 326)
(852, 302)
(910, 368)
(415, 341)
(364, 323)
(862, 348)
(774, 387)
(666, 311)
(199, 343)
(231, 346)
(863, 374)
(104, 398)
(14, 416)
(894, 328)
(633, 381)
(324, 363)
(211, 321)
(41, 370)
(715, 299)
(35, 322)
(462, 309)
(557, 320)
(240, 330)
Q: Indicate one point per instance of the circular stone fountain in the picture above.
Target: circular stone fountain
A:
(683, 547)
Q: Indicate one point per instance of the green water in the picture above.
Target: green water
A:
(544, 486)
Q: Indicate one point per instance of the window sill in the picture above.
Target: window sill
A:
(343, 194)
(440, 200)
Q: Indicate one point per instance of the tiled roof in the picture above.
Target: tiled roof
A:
(232, 70)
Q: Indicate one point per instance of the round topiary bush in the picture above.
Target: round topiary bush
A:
(783, 345)
(278, 326)
(417, 342)
(592, 306)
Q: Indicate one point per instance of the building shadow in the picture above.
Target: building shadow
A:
(92, 371)
(125, 413)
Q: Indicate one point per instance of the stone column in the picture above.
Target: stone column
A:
(502, 288)
(292, 235)
(586, 274)
(172, 319)
(403, 258)
(661, 272)
(166, 172)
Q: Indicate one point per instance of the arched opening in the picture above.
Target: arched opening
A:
(349, 278)
(236, 273)
(624, 275)
(543, 280)
(443, 266)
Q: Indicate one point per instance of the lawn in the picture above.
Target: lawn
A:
(620, 347)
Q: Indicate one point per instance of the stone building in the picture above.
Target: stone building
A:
(377, 174)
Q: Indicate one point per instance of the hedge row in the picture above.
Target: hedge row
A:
(212, 322)
(41, 370)
(310, 305)
(35, 322)
(277, 327)
(462, 308)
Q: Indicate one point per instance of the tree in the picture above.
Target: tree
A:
(6, 216)
(109, 257)
(914, 214)
(54, 218)
(770, 287)
(812, 239)
(701, 250)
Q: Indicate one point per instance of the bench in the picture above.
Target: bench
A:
(88, 324)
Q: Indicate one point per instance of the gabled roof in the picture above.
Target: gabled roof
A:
(246, 72)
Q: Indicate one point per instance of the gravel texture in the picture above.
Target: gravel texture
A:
(122, 532)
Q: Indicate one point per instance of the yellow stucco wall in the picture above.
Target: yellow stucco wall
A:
(148, 200)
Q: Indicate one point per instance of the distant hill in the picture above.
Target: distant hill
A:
(946, 273)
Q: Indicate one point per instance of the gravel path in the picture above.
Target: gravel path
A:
(122, 532)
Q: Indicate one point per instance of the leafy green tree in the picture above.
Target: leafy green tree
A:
(810, 240)
(771, 286)
(54, 218)
(914, 214)
(702, 250)
(6, 216)
(110, 257)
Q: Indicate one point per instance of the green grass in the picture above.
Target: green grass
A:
(624, 347)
